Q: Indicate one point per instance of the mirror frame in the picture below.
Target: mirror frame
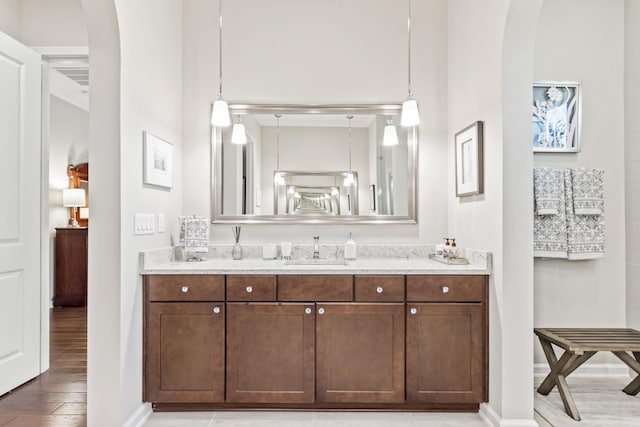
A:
(248, 108)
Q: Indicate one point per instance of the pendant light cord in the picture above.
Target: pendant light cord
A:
(220, 48)
(278, 142)
(409, 48)
(349, 117)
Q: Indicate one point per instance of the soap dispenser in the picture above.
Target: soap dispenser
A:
(350, 249)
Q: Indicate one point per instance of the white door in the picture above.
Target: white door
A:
(20, 175)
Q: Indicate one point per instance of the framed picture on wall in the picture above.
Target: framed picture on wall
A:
(157, 161)
(557, 111)
(469, 167)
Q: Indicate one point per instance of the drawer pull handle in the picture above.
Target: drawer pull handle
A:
(413, 310)
(307, 310)
(321, 311)
(185, 289)
(249, 289)
(216, 310)
(379, 289)
(445, 289)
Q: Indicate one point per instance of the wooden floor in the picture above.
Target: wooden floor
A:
(59, 396)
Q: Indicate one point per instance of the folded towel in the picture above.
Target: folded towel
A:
(548, 189)
(194, 233)
(550, 231)
(588, 194)
(585, 233)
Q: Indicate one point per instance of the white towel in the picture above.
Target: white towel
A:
(194, 233)
(548, 189)
(585, 233)
(588, 194)
(550, 231)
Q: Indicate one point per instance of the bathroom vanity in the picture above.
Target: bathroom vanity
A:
(403, 335)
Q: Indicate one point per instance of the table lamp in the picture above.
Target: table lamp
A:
(73, 198)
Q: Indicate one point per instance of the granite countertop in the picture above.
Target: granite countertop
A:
(156, 263)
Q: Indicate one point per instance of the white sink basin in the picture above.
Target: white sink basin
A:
(315, 262)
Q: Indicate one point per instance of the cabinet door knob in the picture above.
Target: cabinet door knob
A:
(379, 289)
(216, 310)
(413, 310)
(185, 289)
(307, 310)
(445, 289)
(321, 311)
(249, 289)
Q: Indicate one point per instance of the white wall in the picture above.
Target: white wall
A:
(10, 18)
(632, 158)
(52, 23)
(587, 293)
(290, 57)
(151, 99)
(496, 37)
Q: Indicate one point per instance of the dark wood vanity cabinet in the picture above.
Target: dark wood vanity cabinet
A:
(270, 352)
(184, 340)
(447, 342)
(360, 353)
(311, 341)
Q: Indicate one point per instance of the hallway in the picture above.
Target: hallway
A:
(59, 396)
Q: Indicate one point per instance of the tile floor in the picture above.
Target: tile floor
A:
(314, 419)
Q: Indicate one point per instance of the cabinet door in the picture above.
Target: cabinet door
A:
(185, 352)
(360, 353)
(270, 352)
(444, 353)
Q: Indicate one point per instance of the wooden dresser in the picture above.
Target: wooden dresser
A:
(71, 267)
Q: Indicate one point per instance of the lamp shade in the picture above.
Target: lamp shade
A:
(220, 114)
(410, 114)
(390, 134)
(73, 197)
(239, 134)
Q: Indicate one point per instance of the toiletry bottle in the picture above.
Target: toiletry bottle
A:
(447, 247)
(440, 249)
(350, 249)
(454, 249)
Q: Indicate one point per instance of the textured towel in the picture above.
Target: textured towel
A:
(548, 189)
(585, 233)
(550, 231)
(194, 233)
(588, 194)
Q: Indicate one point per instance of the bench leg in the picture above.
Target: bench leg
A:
(568, 363)
(633, 388)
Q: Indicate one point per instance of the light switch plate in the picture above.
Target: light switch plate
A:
(144, 224)
(160, 223)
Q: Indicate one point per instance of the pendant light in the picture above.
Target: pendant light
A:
(410, 114)
(278, 178)
(220, 114)
(390, 136)
(348, 180)
(239, 134)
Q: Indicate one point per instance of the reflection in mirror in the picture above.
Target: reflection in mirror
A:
(314, 164)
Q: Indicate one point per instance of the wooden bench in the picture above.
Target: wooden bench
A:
(579, 345)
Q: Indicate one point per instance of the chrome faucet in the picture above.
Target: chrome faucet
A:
(316, 246)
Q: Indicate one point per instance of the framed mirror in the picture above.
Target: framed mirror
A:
(314, 164)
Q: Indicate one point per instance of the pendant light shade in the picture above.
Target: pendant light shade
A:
(239, 133)
(410, 114)
(390, 134)
(220, 114)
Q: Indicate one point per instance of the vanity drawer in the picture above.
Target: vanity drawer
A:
(315, 288)
(445, 288)
(251, 288)
(379, 288)
(185, 288)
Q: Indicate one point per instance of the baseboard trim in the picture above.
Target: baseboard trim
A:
(139, 417)
(590, 370)
(491, 418)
